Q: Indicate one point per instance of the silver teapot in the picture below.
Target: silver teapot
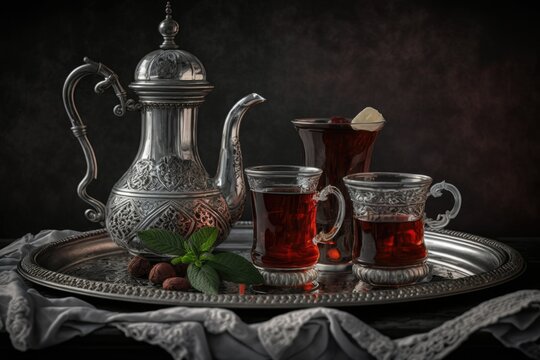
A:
(166, 186)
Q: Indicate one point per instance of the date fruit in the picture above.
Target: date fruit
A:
(160, 272)
(139, 267)
(176, 283)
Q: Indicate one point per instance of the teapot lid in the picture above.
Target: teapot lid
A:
(169, 69)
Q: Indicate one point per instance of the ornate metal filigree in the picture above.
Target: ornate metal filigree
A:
(374, 202)
(123, 219)
(383, 196)
(237, 211)
(388, 201)
(303, 183)
(391, 276)
(308, 184)
(129, 214)
(170, 174)
(159, 105)
(143, 176)
(289, 278)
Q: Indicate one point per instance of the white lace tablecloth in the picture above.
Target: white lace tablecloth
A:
(34, 321)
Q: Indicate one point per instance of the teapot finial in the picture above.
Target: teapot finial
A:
(168, 28)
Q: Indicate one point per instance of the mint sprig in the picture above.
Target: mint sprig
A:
(205, 268)
(163, 241)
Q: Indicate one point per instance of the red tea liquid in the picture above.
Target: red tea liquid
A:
(338, 151)
(393, 242)
(284, 228)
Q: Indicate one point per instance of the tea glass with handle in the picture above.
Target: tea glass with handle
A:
(284, 201)
(389, 220)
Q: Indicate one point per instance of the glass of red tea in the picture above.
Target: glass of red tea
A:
(338, 147)
(284, 202)
(389, 223)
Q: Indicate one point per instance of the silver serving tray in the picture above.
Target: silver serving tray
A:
(91, 264)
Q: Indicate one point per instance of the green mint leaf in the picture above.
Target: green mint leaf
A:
(235, 268)
(162, 241)
(177, 260)
(203, 278)
(190, 248)
(188, 258)
(206, 256)
(204, 238)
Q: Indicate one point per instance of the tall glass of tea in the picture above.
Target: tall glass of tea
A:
(389, 224)
(339, 147)
(284, 202)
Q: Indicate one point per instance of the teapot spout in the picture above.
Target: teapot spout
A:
(230, 178)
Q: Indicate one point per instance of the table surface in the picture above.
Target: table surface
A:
(393, 320)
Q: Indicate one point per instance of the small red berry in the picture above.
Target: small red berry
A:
(333, 254)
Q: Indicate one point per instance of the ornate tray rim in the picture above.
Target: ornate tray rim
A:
(514, 266)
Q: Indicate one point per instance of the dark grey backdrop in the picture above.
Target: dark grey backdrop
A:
(458, 82)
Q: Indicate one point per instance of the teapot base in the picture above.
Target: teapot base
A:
(183, 214)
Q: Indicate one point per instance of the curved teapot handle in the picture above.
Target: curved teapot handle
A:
(97, 213)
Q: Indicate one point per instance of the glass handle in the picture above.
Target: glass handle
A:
(322, 195)
(443, 219)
